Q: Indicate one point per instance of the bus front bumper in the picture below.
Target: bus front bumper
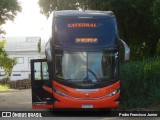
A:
(106, 102)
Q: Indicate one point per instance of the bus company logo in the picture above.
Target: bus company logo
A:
(6, 114)
(87, 95)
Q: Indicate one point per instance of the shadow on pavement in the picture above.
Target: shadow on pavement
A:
(81, 113)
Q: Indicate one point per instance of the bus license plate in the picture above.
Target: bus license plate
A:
(87, 106)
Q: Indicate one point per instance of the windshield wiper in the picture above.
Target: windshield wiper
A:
(108, 79)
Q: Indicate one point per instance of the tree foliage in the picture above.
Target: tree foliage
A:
(8, 11)
(47, 6)
(156, 12)
(137, 27)
(5, 62)
(138, 20)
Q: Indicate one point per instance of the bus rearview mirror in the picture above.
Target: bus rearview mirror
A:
(126, 51)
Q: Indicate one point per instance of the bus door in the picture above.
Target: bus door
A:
(41, 81)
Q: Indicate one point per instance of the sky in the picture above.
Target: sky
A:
(29, 22)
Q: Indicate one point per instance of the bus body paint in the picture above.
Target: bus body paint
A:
(77, 98)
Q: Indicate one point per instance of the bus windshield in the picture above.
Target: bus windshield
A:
(86, 67)
(73, 31)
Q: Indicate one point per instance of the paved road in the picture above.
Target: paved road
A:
(20, 100)
(16, 100)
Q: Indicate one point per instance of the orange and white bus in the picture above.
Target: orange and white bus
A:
(81, 69)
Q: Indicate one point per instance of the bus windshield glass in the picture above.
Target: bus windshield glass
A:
(76, 31)
(86, 67)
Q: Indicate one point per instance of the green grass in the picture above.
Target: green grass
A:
(4, 87)
(140, 83)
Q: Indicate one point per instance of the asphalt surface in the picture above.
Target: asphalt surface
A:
(20, 101)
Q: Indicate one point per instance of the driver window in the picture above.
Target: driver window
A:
(37, 71)
(45, 73)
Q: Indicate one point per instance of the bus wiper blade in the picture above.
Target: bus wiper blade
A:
(86, 84)
(107, 79)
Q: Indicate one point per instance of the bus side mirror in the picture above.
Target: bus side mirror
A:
(48, 51)
(126, 50)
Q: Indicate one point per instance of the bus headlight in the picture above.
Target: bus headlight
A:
(59, 92)
(114, 92)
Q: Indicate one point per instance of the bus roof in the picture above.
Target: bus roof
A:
(83, 13)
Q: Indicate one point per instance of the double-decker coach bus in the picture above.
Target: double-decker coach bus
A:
(81, 69)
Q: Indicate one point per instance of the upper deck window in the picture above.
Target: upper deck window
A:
(103, 30)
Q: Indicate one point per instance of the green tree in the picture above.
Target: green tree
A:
(5, 62)
(8, 11)
(47, 6)
(156, 12)
(156, 15)
(136, 24)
